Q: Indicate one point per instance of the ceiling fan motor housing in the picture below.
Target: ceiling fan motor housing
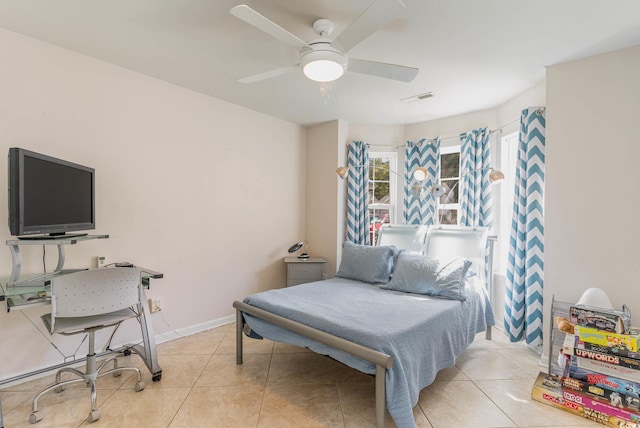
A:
(323, 27)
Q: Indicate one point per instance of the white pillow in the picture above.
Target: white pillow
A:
(426, 275)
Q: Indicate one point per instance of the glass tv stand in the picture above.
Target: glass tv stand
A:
(16, 258)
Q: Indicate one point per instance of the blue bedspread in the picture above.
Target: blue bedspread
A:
(423, 334)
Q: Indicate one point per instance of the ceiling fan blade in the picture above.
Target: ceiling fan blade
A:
(251, 17)
(376, 16)
(382, 69)
(267, 74)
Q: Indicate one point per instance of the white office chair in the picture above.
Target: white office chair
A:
(84, 302)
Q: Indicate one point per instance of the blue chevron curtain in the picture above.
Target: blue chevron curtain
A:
(421, 208)
(357, 193)
(475, 187)
(525, 266)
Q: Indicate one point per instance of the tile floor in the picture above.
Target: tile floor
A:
(284, 386)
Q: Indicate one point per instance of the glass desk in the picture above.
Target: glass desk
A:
(22, 296)
(21, 293)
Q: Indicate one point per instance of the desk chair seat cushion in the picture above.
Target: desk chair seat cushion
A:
(70, 325)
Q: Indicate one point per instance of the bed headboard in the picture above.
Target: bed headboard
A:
(409, 237)
(446, 241)
(443, 242)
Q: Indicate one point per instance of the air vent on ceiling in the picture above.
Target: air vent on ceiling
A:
(418, 97)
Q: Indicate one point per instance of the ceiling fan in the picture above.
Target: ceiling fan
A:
(325, 60)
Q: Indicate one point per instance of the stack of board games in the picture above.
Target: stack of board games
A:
(601, 369)
(548, 389)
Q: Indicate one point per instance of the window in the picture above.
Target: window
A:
(507, 163)
(382, 191)
(448, 205)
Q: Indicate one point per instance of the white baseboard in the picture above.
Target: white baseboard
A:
(193, 329)
(544, 361)
(160, 338)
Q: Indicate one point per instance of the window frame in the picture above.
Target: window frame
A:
(392, 206)
(507, 163)
(450, 206)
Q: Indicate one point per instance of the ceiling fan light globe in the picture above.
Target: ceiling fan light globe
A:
(323, 65)
(323, 70)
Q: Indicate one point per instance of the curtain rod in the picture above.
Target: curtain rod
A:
(539, 110)
(491, 131)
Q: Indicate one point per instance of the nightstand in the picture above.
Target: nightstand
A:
(300, 271)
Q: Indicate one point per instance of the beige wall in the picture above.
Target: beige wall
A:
(507, 115)
(207, 192)
(591, 235)
(449, 128)
(378, 136)
(322, 187)
(504, 116)
(326, 193)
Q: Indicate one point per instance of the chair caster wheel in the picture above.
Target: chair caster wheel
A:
(94, 415)
(126, 352)
(139, 386)
(157, 377)
(59, 389)
(117, 373)
(35, 417)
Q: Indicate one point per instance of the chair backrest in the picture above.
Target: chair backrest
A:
(95, 291)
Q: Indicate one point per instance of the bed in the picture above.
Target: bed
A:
(401, 334)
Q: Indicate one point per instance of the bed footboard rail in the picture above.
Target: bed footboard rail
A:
(380, 359)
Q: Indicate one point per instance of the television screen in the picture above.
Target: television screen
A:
(49, 195)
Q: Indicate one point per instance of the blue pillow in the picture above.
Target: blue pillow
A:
(366, 263)
(425, 275)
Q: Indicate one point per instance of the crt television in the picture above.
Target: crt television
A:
(48, 195)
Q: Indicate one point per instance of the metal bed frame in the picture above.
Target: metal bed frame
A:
(381, 360)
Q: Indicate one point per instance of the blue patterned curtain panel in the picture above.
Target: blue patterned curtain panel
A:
(357, 193)
(475, 186)
(525, 266)
(421, 207)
